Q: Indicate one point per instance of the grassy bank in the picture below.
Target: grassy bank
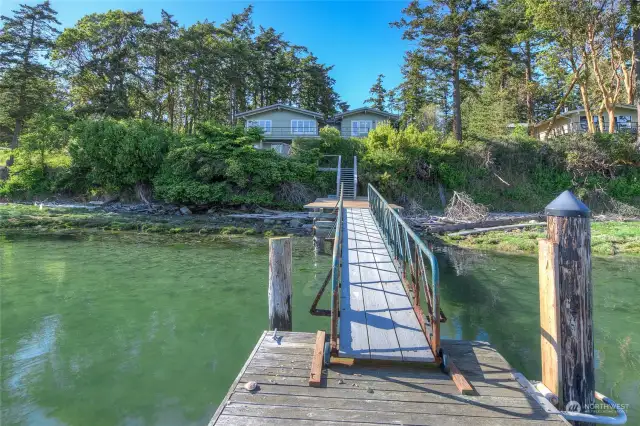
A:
(607, 238)
(17, 217)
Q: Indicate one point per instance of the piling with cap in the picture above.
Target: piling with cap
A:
(569, 296)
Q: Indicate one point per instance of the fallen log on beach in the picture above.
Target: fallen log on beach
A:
(496, 228)
(441, 229)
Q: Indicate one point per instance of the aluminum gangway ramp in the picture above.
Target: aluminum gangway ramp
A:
(377, 320)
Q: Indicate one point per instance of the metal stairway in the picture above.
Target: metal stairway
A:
(347, 183)
(348, 179)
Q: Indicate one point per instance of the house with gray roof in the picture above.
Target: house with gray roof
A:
(281, 124)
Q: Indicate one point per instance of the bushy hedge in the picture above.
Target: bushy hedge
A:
(513, 174)
(220, 166)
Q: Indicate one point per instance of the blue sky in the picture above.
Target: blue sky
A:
(355, 37)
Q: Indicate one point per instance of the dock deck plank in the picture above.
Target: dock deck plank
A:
(371, 394)
(375, 309)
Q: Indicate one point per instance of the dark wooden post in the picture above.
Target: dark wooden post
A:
(280, 256)
(569, 228)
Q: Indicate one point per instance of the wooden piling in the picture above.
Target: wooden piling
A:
(549, 315)
(280, 288)
(569, 228)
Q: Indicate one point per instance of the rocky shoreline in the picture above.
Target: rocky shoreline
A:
(156, 218)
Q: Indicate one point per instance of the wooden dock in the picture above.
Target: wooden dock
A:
(383, 361)
(331, 203)
(374, 394)
(377, 320)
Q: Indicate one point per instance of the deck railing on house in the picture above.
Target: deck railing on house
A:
(411, 257)
(291, 133)
(570, 128)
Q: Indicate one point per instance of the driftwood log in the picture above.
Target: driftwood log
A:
(496, 228)
(441, 229)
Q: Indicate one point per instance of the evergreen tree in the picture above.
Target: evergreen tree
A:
(447, 35)
(378, 94)
(101, 58)
(411, 93)
(25, 40)
(160, 55)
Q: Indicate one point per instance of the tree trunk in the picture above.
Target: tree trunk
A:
(636, 50)
(611, 113)
(564, 98)
(587, 108)
(144, 192)
(528, 76)
(232, 105)
(457, 118)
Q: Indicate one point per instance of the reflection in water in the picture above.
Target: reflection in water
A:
(128, 331)
(496, 299)
(103, 331)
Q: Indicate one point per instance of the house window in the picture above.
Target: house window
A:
(303, 127)
(360, 128)
(623, 122)
(265, 125)
(583, 122)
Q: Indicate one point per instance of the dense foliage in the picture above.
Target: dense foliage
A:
(512, 174)
(117, 103)
(116, 155)
(220, 166)
(118, 65)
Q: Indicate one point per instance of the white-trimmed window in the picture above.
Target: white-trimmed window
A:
(265, 125)
(360, 127)
(303, 127)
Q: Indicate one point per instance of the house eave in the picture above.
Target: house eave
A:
(278, 107)
(365, 110)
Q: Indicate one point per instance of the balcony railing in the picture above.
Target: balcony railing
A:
(631, 127)
(289, 133)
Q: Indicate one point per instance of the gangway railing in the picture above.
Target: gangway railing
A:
(411, 257)
(336, 270)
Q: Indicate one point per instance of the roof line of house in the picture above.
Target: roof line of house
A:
(365, 110)
(278, 107)
(313, 113)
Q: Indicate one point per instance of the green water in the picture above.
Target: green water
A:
(106, 330)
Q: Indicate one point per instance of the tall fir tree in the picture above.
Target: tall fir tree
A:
(101, 58)
(378, 94)
(446, 32)
(25, 41)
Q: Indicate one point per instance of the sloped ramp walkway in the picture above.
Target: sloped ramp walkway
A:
(377, 320)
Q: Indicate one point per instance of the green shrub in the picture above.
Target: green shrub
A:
(219, 165)
(118, 154)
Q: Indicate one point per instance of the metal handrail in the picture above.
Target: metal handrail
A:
(409, 254)
(355, 177)
(335, 275)
(338, 188)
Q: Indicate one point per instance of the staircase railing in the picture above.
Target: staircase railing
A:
(336, 270)
(338, 189)
(409, 253)
(355, 177)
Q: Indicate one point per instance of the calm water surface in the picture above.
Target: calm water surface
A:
(107, 330)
